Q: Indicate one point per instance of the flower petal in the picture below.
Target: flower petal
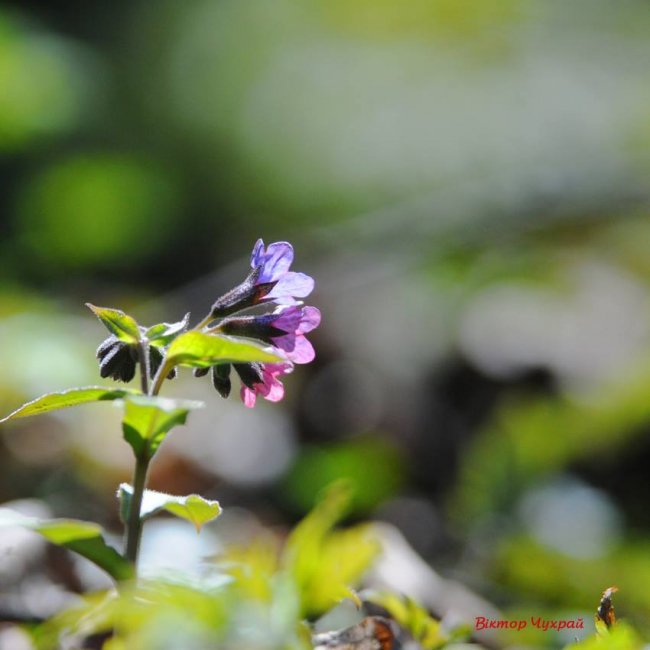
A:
(303, 350)
(257, 254)
(276, 261)
(248, 396)
(310, 319)
(288, 319)
(285, 343)
(273, 391)
(291, 284)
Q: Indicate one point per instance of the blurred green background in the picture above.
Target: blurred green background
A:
(468, 184)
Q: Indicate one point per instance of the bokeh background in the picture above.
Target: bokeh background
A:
(468, 182)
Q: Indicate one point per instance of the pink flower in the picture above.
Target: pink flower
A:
(295, 322)
(270, 387)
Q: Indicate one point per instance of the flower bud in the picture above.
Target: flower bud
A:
(116, 359)
(221, 379)
(247, 294)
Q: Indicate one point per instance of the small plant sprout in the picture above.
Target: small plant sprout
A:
(261, 347)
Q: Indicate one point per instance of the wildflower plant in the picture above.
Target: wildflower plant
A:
(257, 328)
(261, 595)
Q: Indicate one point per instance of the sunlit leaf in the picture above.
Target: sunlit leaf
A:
(82, 537)
(117, 322)
(326, 564)
(201, 350)
(194, 508)
(147, 420)
(620, 637)
(425, 629)
(163, 334)
(254, 567)
(67, 398)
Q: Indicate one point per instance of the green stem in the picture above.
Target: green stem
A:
(164, 369)
(134, 525)
(143, 356)
(199, 326)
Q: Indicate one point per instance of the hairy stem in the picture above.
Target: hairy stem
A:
(143, 357)
(134, 524)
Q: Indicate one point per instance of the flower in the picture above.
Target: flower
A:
(285, 329)
(295, 322)
(268, 385)
(269, 281)
(274, 263)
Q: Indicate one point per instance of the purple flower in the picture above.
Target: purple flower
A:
(269, 281)
(273, 264)
(285, 329)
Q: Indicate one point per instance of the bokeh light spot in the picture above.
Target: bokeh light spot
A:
(96, 209)
(44, 85)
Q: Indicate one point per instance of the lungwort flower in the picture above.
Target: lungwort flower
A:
(269, 281)
(285, 329)
(268, 385)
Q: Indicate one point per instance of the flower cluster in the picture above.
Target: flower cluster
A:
(269, 282)
(283, 326)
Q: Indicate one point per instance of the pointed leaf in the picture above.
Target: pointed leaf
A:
(67, 398)
(326, 563)
(82, 537)
(117, 322)
(201, 350)
(163, 334)
(193, 507)
(147, 420)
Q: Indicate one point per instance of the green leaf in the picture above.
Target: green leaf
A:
(118, 323)
(194, 508)
(67, 398)
(82, 537)
(201, 350)
(163, 334)
(425, 629)
(147, 420)
(326, 564)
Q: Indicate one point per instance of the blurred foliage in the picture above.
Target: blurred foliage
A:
(564, 581)
(254, 595)
(622, 637)
(412, 617)
(324, 563)
(96, 210)
(316, 468)
(44, 84)
(530, 438)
